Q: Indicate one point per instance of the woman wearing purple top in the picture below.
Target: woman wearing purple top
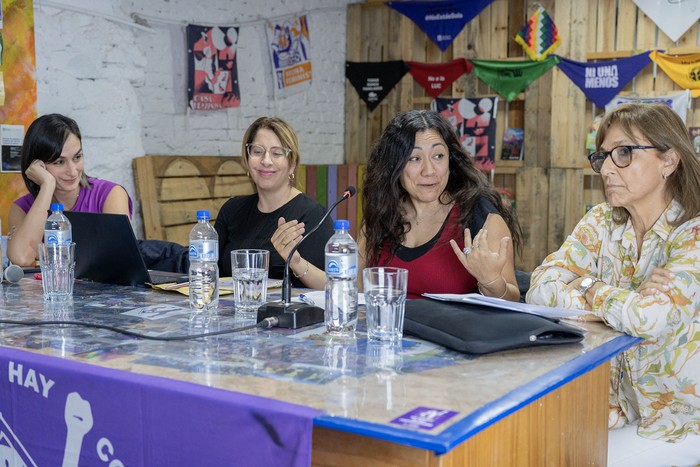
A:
(53, 171)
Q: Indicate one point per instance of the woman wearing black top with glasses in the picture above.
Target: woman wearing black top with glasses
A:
(276, 217)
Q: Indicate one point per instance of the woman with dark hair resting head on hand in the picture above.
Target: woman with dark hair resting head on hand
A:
(53, 170)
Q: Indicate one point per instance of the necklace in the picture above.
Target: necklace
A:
(442, 210)
(71, 201)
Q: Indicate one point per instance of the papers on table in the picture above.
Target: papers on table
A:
(478, 299)
(225, 286)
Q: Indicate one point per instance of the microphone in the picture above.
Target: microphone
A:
(296, 315)
(13, 273)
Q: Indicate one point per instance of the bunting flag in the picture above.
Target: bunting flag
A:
(673, 17)
(436, 77)
(213, 72)
(510, 78)
(684, 70)
(374, 80)
(442, 20)
(601, 81)
(679, 102)
(539, 36)
(289, 44)
(475, 122)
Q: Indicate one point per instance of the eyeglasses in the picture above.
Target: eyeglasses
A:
(621, 156)
(258, 151)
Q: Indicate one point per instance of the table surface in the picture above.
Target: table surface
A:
(359, 386)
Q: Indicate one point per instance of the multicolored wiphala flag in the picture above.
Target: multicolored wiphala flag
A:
(539, 37)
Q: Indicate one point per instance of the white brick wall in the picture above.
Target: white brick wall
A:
(126, 87)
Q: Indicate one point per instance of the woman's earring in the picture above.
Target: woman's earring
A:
(664, 175)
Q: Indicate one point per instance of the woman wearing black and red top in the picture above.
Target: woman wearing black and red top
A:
(428, 209)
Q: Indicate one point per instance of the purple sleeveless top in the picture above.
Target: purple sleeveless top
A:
(90, 199)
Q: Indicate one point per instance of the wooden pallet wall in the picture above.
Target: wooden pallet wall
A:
(553, 184)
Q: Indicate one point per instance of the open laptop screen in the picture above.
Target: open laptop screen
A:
(106, 251)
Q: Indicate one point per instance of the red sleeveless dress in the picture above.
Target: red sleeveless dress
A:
(438, 270)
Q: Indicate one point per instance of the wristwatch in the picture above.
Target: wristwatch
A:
(586, 284)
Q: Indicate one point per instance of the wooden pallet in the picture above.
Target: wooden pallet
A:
(172, 188)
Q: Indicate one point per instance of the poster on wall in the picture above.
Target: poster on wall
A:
(513, 142)
(11, 138)
(694, 133)
(679, 102)
(213, 69)
(17, 87)
(475, 122)
(289, 46)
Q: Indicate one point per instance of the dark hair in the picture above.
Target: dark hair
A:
(665, 130)
(384, 197)
(44, 140)
(286, 134)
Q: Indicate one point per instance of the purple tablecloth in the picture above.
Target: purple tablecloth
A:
(55, 411)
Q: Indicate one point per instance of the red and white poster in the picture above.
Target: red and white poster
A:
(213, 73)
(475, 122)
(289, 51)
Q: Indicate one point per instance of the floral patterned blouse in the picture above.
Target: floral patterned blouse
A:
(658, 381)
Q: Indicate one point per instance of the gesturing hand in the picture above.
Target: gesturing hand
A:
(286, 237)
(477, 257)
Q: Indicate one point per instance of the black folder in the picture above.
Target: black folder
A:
(476, 329)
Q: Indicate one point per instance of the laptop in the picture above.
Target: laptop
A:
(106, 251)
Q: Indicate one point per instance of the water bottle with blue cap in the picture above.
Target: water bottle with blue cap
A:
(204, 269)
(57, 229)
(341, 281)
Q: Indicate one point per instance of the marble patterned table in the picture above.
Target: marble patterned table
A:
(411, 404)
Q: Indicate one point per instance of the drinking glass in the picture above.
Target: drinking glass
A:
(57, 262)
(385, 299)
(249, 269)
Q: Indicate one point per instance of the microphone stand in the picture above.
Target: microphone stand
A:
(296, 315)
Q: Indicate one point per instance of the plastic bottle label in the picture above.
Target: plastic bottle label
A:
(57, 237)
(204, 250)
(341, 265)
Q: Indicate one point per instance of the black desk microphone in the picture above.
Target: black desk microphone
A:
(296, 315)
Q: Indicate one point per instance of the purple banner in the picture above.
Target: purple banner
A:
(441, 20)
(60, 412)
(602, 81)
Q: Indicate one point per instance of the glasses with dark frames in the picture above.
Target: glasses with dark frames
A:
(258, 151)
(621, 156)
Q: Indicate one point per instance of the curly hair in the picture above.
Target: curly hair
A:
(384, 197)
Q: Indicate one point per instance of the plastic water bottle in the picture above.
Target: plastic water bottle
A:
(204, 270)
(341, 281)
(57, 228)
